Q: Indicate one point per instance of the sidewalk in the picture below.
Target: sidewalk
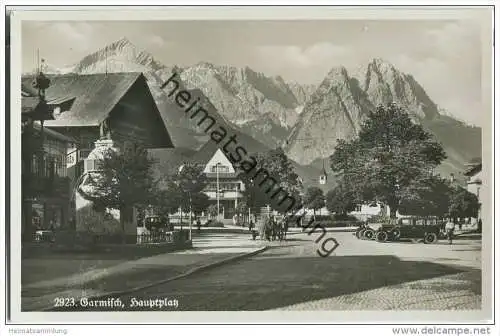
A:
(208, 250)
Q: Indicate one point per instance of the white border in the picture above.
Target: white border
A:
(227, 13)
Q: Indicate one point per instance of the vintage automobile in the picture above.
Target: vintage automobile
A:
(428, 229)
(154, 224)
(364, 231)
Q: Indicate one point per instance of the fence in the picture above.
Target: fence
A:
(83, 238)
(155, 237)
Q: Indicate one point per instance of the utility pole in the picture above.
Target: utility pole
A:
(218, 202)
(190, 217)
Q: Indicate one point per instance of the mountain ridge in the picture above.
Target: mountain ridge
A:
(307, 119)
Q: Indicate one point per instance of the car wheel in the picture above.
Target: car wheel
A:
(430, 238)
(369, 234)
(395, 234)
(382, 236)
(359, 234)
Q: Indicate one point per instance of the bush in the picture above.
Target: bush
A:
(378, 219)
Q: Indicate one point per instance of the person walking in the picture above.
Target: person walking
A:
(198, 224)
(449, 227)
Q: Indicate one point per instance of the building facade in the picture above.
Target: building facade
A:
(45, 181)
(475, 183)
(115, 109)
(223, 187)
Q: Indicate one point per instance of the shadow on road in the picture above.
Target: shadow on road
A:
(268, 283)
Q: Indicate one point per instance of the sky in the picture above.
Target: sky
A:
(443, 56)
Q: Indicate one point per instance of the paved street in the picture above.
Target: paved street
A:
(359, 275)
(208, 249)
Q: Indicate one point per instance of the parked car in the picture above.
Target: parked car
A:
(154, 224)
(426, 228)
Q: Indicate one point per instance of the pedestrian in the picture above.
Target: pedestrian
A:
(198, 224)
(250, 226)
(450, 227)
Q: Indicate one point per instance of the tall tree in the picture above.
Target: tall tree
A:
(169, 196)
(191, 181)
(386, 157)
(200, 203)
(340, 200)
(463, 204)
(273, 171)
(314, 199)
(425, 195)
(125, 180)
(212, 210)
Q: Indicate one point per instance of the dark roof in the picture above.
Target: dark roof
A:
(28, 90)
(28, 104)
(474, 170)
(48, 133)
(95, 95)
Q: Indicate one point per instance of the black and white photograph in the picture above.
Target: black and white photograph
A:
(340, 163)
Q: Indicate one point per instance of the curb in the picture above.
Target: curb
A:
(180, 276)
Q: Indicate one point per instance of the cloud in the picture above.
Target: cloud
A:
(156, 41)
(454, 37)
(77, 34)
(459, 92)
(295, 56)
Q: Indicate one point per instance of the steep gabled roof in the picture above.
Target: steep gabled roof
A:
(473, 170)
(94, 95)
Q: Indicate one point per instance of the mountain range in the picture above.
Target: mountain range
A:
(269, 111)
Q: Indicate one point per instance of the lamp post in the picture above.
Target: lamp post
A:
(193, 182)
(217, 192)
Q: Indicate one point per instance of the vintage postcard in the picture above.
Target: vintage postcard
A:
(251, 165)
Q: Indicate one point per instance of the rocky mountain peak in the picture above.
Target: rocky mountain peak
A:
(119, 56)
(121, 43)
(384, 84)
(382, 65)
(338, 73)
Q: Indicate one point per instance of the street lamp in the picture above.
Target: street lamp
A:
(191, 211)
(217, 191)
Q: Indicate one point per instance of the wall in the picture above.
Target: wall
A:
(366, 211)
(474, 185)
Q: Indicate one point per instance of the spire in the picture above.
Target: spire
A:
(323, 177)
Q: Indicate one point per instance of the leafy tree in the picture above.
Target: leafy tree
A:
(426, 195)
(212, 210)
(125, 180)
(463, 204)
(340, 200)
(259, 188)
(191, 181)
(200, 202)
(253, 194)
(242, 208)
(314, 199)
(386, 157)
(169, 197)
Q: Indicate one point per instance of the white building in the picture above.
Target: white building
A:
(223, 177)
(475, 182)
